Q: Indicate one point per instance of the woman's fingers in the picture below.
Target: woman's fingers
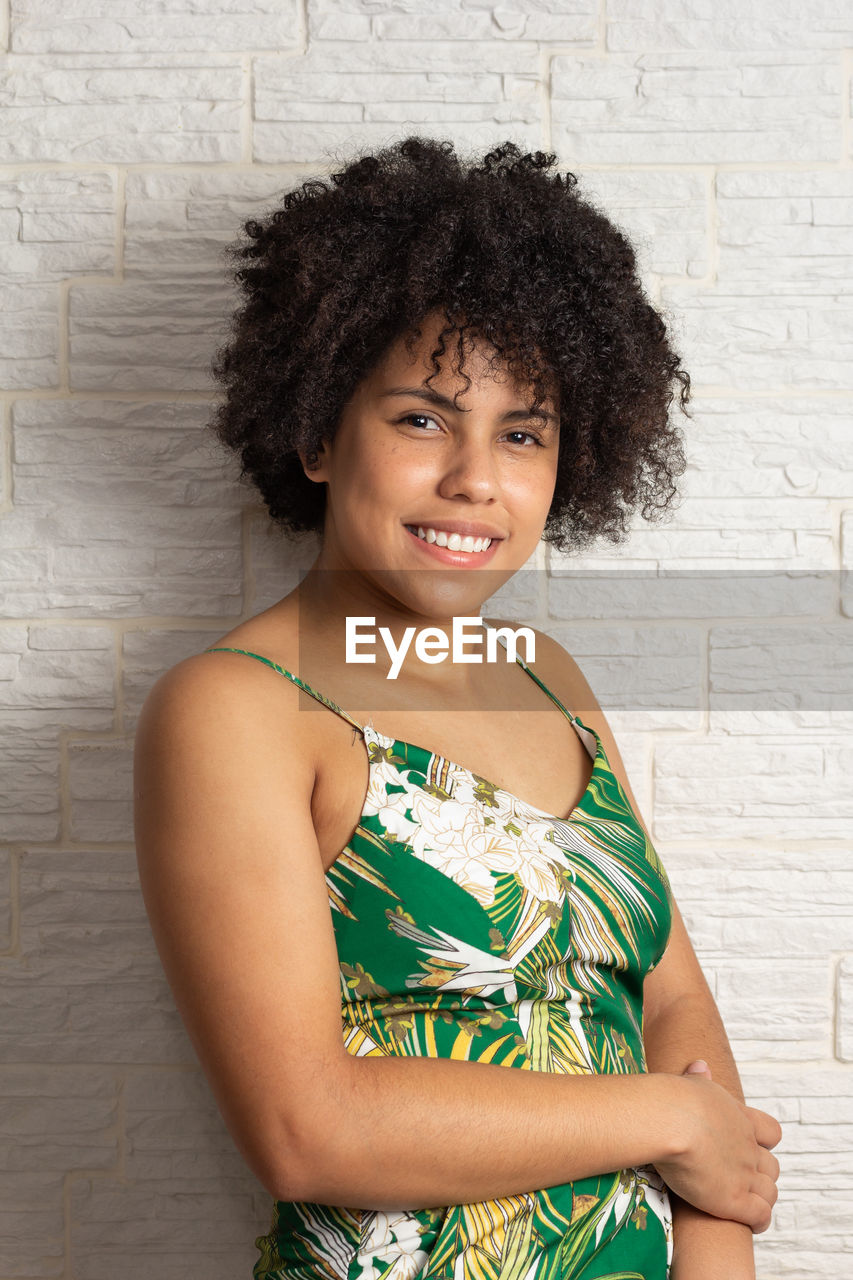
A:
(768, 1164)
(764, 1181)
(759, 1214)
(765, 1187)
(768, 1131)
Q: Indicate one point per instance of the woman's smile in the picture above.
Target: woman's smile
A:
(446, 543)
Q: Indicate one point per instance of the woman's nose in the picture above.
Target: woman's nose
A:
(469, 472)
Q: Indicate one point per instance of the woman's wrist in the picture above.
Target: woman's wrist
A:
(673, 1117)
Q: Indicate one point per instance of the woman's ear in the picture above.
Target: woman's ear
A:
(314, 463)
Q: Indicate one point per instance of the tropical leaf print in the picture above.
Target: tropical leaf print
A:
(473, 928)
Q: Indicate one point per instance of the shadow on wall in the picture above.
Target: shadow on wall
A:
(133, 541)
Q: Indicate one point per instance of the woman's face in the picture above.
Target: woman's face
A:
(404, 459)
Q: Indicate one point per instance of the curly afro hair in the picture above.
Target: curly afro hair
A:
(505, 250)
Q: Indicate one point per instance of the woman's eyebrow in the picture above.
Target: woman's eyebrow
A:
(430, 396)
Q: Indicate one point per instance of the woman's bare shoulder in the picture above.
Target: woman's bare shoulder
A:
(212, 695)
(271, 635)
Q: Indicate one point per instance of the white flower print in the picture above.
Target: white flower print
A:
(394, 1239)
(453, 836)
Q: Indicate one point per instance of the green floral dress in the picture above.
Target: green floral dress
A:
(474, 926)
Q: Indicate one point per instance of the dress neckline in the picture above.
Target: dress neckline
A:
(453, 766)
(590, 739)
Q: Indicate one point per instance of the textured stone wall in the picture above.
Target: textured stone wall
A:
(134, 138)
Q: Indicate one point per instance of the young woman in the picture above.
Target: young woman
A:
(368, 914)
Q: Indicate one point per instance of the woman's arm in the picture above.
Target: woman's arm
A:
(681, 1024)
(233, 883)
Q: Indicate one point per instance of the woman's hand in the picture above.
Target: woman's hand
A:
(723, 1164)
(707, 1248)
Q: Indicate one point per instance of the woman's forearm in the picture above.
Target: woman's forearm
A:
(410, 1132)
(706, 1248)
(687, 1029)
(403, 1133)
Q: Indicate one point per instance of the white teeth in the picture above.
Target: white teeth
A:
(453, 541)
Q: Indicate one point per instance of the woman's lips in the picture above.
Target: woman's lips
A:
(459, 559)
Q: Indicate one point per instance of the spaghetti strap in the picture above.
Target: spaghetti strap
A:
(533, 675)
(306, 688)
(333, 706)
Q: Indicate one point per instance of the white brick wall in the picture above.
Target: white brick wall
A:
(134, 138)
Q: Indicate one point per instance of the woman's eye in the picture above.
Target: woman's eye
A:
(528, 435)
(418, 418)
